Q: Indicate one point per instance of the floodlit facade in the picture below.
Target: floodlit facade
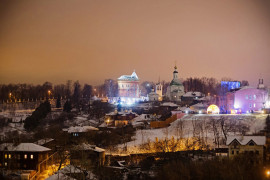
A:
(176, 89)
(128, 86)
(159, 90)
(246, 99)
(153, 96)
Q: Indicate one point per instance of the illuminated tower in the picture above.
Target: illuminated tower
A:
(128, 86)
(159, 90)
(176, 89)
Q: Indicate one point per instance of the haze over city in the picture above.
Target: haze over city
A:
(92, 40)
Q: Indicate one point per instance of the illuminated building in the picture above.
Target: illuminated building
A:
(192, 96)
(176, 89)
(159, 91)
(246, 100)
(23, 156)
(128, 86)
(119, 119)
(153, 96)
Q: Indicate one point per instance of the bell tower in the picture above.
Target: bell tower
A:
(159, 90)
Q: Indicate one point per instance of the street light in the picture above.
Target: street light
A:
(49, 93)
(267, 173)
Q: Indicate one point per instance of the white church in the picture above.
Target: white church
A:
(176, 89)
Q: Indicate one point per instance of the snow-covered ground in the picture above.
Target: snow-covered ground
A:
(255, 123)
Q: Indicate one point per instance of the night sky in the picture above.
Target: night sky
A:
(92, 40)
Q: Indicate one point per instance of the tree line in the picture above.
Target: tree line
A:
(24, 92)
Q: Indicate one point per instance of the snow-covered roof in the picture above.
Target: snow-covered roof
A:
(202, 99)
(122, 113)
(192, 94)
(85, 146)
(74, 129)
(64, 173)
(199, 106)
(143, 117)
(244, 140)
(23, 147)
(132, 77)
(169, 104)
(43, 141)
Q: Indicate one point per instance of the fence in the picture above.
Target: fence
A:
(162, 124)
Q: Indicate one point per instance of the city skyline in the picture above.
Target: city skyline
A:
(92, 41)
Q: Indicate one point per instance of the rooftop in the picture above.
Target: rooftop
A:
(244, 140)
(132, 77)
(23, 147)
(85, 146)
(74, 129)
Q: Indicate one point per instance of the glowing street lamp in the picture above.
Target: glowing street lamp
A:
(267, 172)
(49, 93)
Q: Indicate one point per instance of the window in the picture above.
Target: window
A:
(32, 156)
(254, 97)
(247, 97)
(251, 144)
(5, 156)
(232, 151)
(257, 152)
(25, 156)
(250, 97)
(250, 105)
(9, 156)
(5, 163)
(254, 105)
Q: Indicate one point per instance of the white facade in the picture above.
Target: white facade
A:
(159, 91)
(176, 89)
(153, 96)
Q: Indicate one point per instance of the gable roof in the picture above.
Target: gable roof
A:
(244, 140)
(23, 147)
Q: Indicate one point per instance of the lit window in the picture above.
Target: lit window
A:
(5, 156)
(25, 156)
(5, 163)
(32, 156)
(9, 156)
(254, 105)
(254, 97)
